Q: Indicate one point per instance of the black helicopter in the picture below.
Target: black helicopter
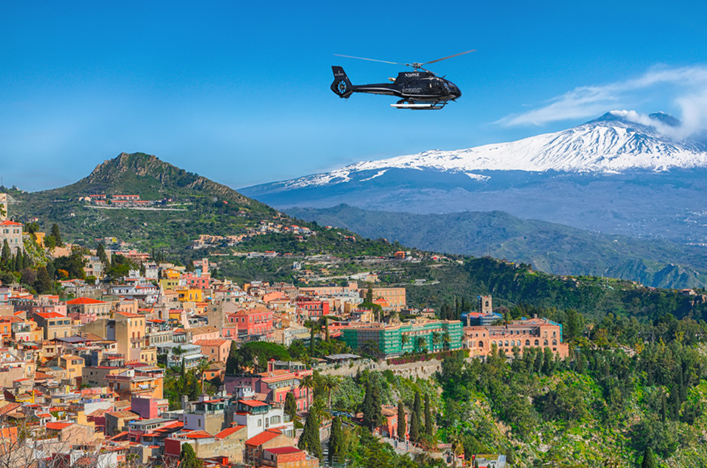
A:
(418, 89)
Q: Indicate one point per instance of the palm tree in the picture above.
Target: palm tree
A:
(421, 343)
(203, 366)
(447, 340)
(404, 339)
(327, 383)
(436, 339)
(307, 382)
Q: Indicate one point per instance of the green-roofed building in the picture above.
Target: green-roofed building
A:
(408, 337)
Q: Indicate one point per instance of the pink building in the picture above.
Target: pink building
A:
(251, 322)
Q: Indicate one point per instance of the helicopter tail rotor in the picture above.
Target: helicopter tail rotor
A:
(341, 85)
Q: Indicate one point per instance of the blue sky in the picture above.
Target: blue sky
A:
(239, 92)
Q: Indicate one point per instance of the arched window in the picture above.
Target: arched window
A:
(545, 343)
(554, 342)
(527, 342)
(493, 343)
(537, 343)
(506, 342)
(481, 344)
(513, 342)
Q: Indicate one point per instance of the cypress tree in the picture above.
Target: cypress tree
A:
(367, 405)
(649, 460)
(415, 424)
(377, 407)
(6, 253)
(50, 269)
(682, 391)
(232, 360)
(19, 263)
(336, 441)
(429, 424)
(675, 403)
(663, 407)
(57, 235)
(309, 440)
(43, 283)
(291, 406)
(101, 254)
(402, 424)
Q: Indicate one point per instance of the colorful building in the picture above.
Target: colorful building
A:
(532, 333)
(407, 337)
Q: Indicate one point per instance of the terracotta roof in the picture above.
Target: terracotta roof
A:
(10, 223)
(84, 300)
(197, 435)
(124, 414)
(48, 315)
(57, 426)
(217, 342)
(265, 436)
(129, 314)
(229, 431)
(10, 407)
(252, 403)
(283, 450)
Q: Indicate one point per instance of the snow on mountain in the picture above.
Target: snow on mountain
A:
(611, 143)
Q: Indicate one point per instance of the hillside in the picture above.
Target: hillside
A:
(549, 247)
(181, 205)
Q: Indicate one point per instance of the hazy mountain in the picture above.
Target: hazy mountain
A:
(549, 247)
(620, 174)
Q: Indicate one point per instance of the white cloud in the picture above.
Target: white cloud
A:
(686, 86)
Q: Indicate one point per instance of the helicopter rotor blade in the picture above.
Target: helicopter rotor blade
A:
(445, 58)
(369, 59)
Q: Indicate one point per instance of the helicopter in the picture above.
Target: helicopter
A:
(419, 89)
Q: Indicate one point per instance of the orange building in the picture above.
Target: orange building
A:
(533, 333)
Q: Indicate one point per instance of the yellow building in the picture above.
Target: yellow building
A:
(190, 295)
(74, 366)
(130, 334)
(169, 284)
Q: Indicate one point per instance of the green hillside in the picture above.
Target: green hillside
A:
(549, 247)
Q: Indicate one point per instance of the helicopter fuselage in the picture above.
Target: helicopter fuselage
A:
(416, 89)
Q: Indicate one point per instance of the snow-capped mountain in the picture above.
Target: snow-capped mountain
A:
(611, 143)
(622, 173)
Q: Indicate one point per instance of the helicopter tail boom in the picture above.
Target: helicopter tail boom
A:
(341, 85)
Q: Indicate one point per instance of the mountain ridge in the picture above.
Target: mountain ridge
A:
(549, 247)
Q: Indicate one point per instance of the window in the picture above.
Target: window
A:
(527, 342)
(260, 422)
(545, 343)
(537, 342)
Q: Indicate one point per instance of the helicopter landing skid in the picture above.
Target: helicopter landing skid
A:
(420, 105)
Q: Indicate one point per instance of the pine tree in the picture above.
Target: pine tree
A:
(291, 406)
(649, 460)
(232, 360)
(336, 441)
(309, 440)
(429, 424)
(57, 235)
(402, 423)
(187, 457)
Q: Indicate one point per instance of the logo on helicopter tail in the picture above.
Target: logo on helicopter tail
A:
(342, 86)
